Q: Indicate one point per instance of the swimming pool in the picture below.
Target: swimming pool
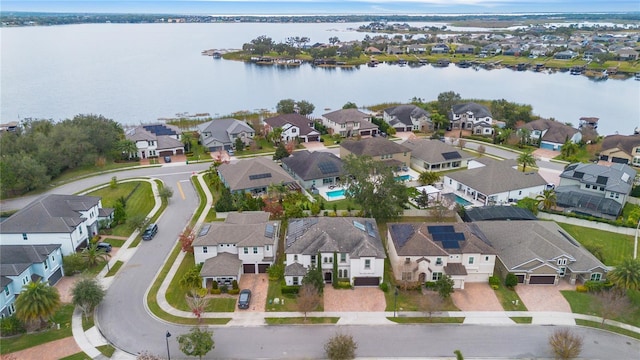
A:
(335, 193)
(458, 199)
(403, 178)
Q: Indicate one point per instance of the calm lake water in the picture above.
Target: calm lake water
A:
(140, 72)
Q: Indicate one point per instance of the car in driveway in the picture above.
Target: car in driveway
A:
(167, 159)
(104, 246)
(150, 232)
(244, 299)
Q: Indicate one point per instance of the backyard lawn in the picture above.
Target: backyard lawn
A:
(24, 341)
(613, 247)
(139, 194)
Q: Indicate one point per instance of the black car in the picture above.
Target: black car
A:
(104, 246)
(150, 232)
(244, 299)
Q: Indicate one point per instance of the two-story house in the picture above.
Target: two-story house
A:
(551, 134)
(245, 243)
(66, 220)
(294, 126)
(156, 140)
(408, 118)
(254, 176)
(349, 244)
(621, 149)
(313, 169)
(22, 264)
(471, 116)
(379, 149)
(420, 252)
(349, 122)
(435, 155)
(221, 134)
(595, 190)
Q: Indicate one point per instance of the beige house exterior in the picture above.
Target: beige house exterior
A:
(378, 148)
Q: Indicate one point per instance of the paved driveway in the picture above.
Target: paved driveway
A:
(476, 297)
(258, 284)
(358, 299)
(545, 297)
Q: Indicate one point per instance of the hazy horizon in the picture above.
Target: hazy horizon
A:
(322, 7)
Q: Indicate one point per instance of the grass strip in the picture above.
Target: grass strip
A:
(301, 320)
(508, 299)
(522, 319)
(106, 350)
(114, 269)
(617, 330)
(427, 320)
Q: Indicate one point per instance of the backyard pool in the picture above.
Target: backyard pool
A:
(403, 178)
(335, 194)
(458, 199)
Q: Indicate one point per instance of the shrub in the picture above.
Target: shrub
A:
(234, 285)
(276, 271)
(216, 291)
(594, 286)
(214, 285)
(511, 281)
(224, 288)
(495, 287)
(233, 291)
(430, 285)
(342, 285)
(289, 290)
(11, 326)
(73, 264)
(581, 288)
(494, 280)
(384, 287)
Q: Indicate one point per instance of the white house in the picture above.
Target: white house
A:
(294, 127)
(349, 244)
(156, 140)
(349, 122)
(22, 264)
(67, 220)
(245, 243)
(420, 252)
(471, 116)
(551, 134)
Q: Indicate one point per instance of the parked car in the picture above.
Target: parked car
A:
(104, 246)
(167, 159)
(150, 232)
(231, 152)
(244, 299)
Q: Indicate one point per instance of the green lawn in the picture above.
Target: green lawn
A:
(138, 203)
(615, 329)
(427, 320)
(114, 269)
(290, 303)
(301, 320)
(87, 322)
(114, 242)
(21, 342)
(583, 303)
(77, 356)
(522, 319)
(614, 247)
(507, 298)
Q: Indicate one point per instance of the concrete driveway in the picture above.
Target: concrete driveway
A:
(545, 297)
(358, 299)
(259, 285)
(476, 297)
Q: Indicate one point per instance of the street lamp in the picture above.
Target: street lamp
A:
(167, 336)
(395, 302)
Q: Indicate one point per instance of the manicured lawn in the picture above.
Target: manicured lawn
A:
(583, 303)
(521, 319)
(106, 350)
(114, 242)
(114, 269)
(614, 247)
(290, 303)
(78, 356)
(427, 320)
(85, 171)
(140, 201)
(507, 298)
(87, 322)
(62, 317)
(615, 329)
(301, 320)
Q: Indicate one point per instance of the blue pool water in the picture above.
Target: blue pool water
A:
(403, 178)
(458, 199)
(335, 193)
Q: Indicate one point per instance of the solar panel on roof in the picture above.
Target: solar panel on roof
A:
(451, 155)
(327, 167)
(446, 236)
(358, 225)
(370, 230)
(259, 176)
(450, 245)
(578, 174)
(571, 167)
(602, 180)
(269, 230)
(440, 229)
(401, 233)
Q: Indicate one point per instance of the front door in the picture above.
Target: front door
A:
(327, 277)
(563, 271)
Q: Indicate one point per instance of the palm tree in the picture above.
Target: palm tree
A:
(275, 135)
(93, 256)
(568, 149)
(526, 158)
(127, 147)
(37, 302)
(626, 275)
(547, 199)
(187, 138)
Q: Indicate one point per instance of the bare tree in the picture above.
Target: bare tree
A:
(197, 304)
(481, 150)
(341, 347)
(308, 299)
(430, 303)
(462, 143)
(565, 344)
(611, 304)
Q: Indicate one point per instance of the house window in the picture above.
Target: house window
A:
(594, 277)
(343, 258)
(471, 259)
(80, 229)
(520, 192)
(562, 261)
(601, 188)
(255, 250)
(296, 281)
(12, 309)
(46, 264)
(406, 276)
(436, 276)
(24, 236)
(245, 250)
(205, 250)
(293, 130)
(295, 257)
(367, 264)
(313, 259)
(486, 258)
(587, 186)
(267, 247)
(6, 289)
(407, 260)
(25, 280)
(438, 261)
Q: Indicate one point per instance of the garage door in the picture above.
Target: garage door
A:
(520, 279)
(366, 281)
(619, 160)
(166, 153)
(542, 280)
(248, 269)
(262, 268)
(179, 151)
(53, 279)
(366, 132)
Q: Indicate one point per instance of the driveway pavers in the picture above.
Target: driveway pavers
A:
(545, 297)
(259, 285)
(358, 299)
(56, 349)
(476, 297)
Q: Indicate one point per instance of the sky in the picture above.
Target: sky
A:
(321, 7)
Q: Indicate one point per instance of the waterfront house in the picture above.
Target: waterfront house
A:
(471, 116)
(254, 176)
(565, 55)
(344, 248)
(435, 155)
(22, 264)
(494, 182)
(157, 140)
(551, 134)
(349, 122)
(371, 50)
(245, 243)
(440, 49)
(221, 134)
(294, 127)
(395, 50)
(595, 190)
(313, 169)
(416, 49)
(540, 252)
(420, 252)
(65, 220)
(408, 118)
(626, 54)
(622, 149)
(379, 149)
(465, 49)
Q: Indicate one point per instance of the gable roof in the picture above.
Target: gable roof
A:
(404, 113)
(161, 133)
(343, 116)
(15, 259)
(225, 264)
(220, 129)
(479, 111)
(625, 143)
(358, 237)
(314, 165)
(557, 132)
(253, 173)
(374, 146)
(616, 178)
(433, 151)
(521, 242)
(497, 177)
(418, 239)
(300, 121)
(251, 228)
(50, 214)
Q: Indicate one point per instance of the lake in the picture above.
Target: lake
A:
(137, 73)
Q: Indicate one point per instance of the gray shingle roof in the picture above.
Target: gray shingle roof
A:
(557, 132)
(225, 264)
(497, 177)
(479, 111)
(240, 176)
(314, 165)
(241, 229)
(431, 150)
(308, 236)
(405, 113)
(15, 259)
(295, 269)
(617, 177)
(520, 242)
(497, 212)
(625, 143)
(302, 122)
(220, 130)
(50, 214)
(343, 116)
(373, 147)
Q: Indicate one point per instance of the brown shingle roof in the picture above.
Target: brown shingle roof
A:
(622, 142)
(373, 147)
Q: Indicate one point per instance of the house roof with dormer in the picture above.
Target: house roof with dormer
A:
(435, 151)
(222, 129)
(344, 116)
(15, 259)
(556, 132)
(478, 111)
(250, 228)
(406, 113)
(253, 173)
(297, 120)
(624, 143)
(375, 146)
(615, 178)
(314, 165)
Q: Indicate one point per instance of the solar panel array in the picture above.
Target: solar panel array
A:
(259, 176)
(452, 236)
(447, 235)
(602, 180)
(451, 155)
(328, 167)
(451, 245)
(440, 229)
(370, 229)
(402, 233)
(269, 230)
(159, 130)
(578, 174)
(358, 225)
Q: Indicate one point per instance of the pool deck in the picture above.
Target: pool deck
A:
(323, 190)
